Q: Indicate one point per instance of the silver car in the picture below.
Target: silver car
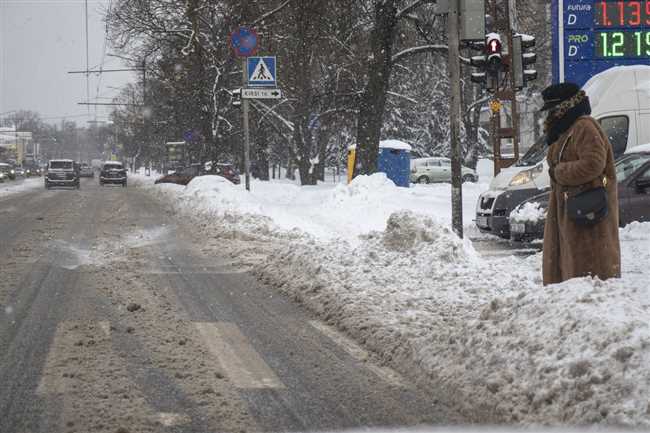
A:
(436, 169)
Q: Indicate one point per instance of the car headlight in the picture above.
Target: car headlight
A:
(527, 176)
(13, 171)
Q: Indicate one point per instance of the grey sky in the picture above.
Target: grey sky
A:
(40, 41)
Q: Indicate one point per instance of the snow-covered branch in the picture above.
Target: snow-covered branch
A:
(270, 13)
(418, 50)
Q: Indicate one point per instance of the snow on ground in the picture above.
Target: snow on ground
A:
(327, 211)
(17, 186)
(382, 264)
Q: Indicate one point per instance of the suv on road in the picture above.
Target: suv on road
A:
(113, 172)
(62, 172)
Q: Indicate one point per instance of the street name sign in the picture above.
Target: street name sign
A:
(261, 71)
(261, 93)
(590, 36)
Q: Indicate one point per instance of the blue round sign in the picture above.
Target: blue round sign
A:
(244, 41)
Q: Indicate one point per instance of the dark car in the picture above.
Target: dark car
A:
(62, 172)
(224, 170)
(86, 170)
(113, 172)
(183, 176)
(633, 176)
(7, 172)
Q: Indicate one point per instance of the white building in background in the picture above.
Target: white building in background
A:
(17, 145)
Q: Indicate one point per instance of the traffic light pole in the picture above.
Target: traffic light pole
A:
(454, 120)
(503, 25)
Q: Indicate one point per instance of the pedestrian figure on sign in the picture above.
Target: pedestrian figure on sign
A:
(581, 232)
(262, 73)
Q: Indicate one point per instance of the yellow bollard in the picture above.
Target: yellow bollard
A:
(352, 153)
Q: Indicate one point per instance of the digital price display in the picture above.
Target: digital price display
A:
(590, 36)
(610, 14)
(622, 45)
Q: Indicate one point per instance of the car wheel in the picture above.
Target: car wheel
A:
(468, 178)
(423, 179)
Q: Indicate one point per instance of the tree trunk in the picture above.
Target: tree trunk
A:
(373, 99)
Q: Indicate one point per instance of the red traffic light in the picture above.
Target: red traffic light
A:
(494, 46)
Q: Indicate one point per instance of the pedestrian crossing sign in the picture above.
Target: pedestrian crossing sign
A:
(261, 71)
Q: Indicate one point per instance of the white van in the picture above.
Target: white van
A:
(620, 101)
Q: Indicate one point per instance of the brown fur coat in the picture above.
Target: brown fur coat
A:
(571, 250)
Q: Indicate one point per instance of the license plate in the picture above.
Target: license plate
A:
(482, 221)
(518, 228)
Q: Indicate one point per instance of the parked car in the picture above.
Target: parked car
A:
(113, 172)
(184, 175)
(8, 171)
(62, 172)
(20, 171)
(633, 176)
(86, 170)
(429, 170)
(224, 170)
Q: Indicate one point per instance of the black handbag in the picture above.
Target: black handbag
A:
(589, 207)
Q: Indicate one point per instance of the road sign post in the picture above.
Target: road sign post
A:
(244, 42)
(247, 146)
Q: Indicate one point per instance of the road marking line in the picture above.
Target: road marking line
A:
(239, 360)
(389, 375)
(170, 419)
(65, 337)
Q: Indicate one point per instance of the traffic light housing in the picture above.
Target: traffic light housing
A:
(488, 63)
(493, 53)
(523, 59)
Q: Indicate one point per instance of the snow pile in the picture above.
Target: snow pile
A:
(9, 187)
(381, 263)
(485, 333)
(325, 211)
(364, 188)
(528, 212)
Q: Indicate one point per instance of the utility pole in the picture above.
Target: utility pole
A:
(247, 144)
(454, 119)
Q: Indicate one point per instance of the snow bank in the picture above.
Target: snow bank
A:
(15, 187)
(381, 263)
(325, 211)
(497, 344)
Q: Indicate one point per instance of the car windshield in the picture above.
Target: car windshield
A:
(629, 164)
(61, 165)
(113, 166)
(535, 154)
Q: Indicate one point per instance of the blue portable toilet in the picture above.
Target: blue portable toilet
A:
(395, 160)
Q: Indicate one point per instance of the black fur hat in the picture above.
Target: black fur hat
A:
(557, 93)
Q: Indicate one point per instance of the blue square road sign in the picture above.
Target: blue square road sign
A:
(261, 71)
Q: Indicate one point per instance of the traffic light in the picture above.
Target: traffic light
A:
(493, 53)
(489, 63)
(479, 62)
(522, 60)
